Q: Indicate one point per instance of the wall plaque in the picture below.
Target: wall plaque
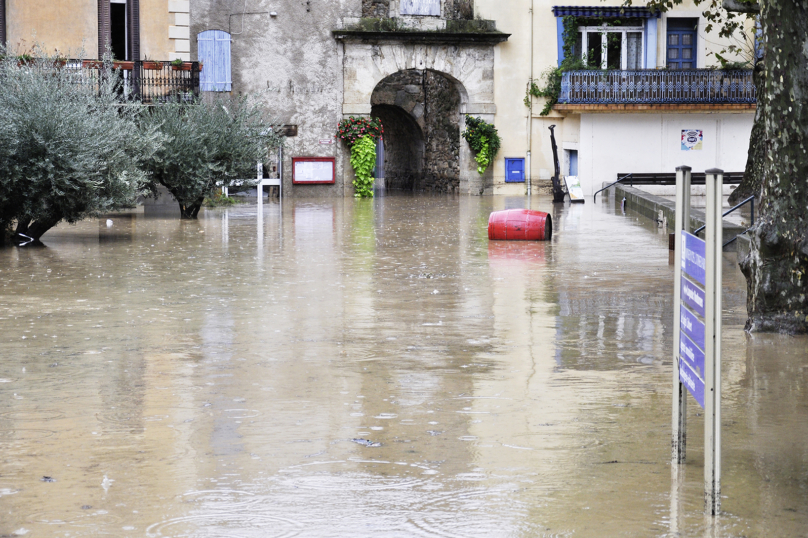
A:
(420, 7)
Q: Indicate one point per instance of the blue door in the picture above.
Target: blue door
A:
(514, 170)
(574, 162)
(681, 51)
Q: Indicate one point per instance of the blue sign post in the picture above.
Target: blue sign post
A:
(697, 328)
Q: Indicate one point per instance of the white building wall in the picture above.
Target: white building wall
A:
(613, 143)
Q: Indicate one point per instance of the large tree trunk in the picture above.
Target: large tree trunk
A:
(777, 267)
(753, 174)
(191, 211)
(29, 233)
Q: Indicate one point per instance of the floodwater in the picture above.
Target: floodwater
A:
(376, 368)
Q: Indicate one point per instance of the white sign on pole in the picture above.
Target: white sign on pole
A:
(697, 328)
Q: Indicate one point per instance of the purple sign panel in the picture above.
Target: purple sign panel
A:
(695, 386)
(691, 353)
(691, 326)
(694, 262)
(693, 296)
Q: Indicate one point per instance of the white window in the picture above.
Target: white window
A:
(611, 47)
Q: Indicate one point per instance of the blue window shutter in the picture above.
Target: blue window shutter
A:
(205, 55)
(222, 53)
(214, 51)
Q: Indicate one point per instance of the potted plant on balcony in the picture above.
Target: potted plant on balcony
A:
(123, 65)
(179, 65)
(150, 65)
(92, 64)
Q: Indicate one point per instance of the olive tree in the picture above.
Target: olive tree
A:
(69, 149)
(207, 143)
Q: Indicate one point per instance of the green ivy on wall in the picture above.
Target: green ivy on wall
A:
(483, 140)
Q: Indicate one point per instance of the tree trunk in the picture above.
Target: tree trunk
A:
(191, 211)
(753, 174)
(29, 233)
(776, 268)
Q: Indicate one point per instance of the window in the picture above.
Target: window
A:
(612, 47)
(118, 35)
(214, 54)
(681, 44)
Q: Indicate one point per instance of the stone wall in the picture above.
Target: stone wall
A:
(420, 110)
(376, 9)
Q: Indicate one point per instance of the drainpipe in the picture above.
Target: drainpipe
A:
(530, 113)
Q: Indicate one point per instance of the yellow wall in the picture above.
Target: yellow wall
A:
(71, 26)
(154, 22)
(68, 26)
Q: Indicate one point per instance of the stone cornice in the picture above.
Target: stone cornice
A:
(433, 37)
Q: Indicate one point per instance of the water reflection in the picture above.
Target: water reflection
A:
(333, 367)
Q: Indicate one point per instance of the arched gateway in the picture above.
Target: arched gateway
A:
(420, 84)
(420, 110)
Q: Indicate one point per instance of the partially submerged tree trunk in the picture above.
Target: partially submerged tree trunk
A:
(753, 174)
(29, 233)
(191, 211)
(777, 267)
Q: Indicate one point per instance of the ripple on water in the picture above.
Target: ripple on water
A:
(10, 436)
(342, 476)
(227, 525)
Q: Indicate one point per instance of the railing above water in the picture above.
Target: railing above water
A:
(657, 86)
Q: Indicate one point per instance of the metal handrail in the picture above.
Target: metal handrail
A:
(750, 201)
(595, 197)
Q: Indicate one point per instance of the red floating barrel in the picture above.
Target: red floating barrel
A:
(520, 225)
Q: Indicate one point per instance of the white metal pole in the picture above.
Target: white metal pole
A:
(712, 413)
(682, 222)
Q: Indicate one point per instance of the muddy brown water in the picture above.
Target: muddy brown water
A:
(220, 378)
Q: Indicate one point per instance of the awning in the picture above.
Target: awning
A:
(605, 12)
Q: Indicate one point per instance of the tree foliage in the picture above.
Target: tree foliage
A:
(206, 143)
(68, 149)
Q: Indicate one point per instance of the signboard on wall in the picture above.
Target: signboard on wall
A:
(313, 170)
(692, 139)
(420, 7)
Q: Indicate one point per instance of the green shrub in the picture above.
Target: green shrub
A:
(484, 141)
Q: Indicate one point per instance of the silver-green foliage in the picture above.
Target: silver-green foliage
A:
(208, 142)
(68, 149)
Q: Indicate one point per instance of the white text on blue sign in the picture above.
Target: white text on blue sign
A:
(694, 262)
(693, 296)
(691, 326)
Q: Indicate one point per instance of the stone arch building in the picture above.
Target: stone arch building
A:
(420, 65)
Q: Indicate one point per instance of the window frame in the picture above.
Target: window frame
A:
(605, 29)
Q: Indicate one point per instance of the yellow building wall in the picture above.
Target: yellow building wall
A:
(513, 69)
(155, 19)
(66, 26)
(71, 27)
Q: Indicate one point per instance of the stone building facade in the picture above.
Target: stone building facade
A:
(316, 62)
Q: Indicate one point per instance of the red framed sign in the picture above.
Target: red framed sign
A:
(313, 170)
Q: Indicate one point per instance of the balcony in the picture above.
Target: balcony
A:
(657, 87)
(145, 83)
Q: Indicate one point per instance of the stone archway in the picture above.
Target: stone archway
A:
(420, 110)
(467, 69)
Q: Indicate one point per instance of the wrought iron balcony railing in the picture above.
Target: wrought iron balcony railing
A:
(145, 82)
(652, 86)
